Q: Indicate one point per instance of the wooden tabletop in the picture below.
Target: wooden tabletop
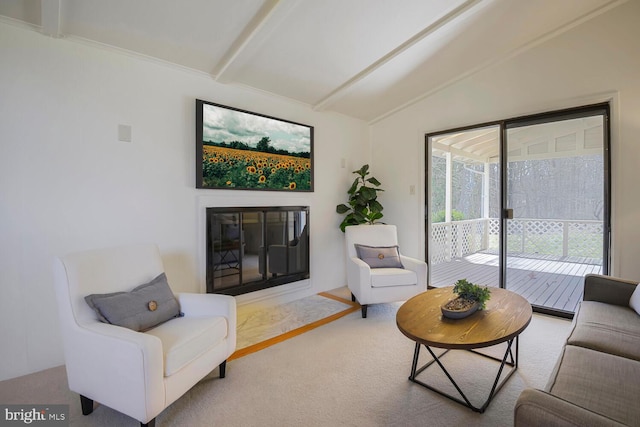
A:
(506, 316)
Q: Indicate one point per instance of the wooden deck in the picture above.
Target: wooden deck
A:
(550, 283)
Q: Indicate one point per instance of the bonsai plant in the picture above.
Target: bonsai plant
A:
(362, 208)
(470, 298)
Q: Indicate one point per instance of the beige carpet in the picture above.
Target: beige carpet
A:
(350, 372)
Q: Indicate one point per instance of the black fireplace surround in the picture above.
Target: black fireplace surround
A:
(254, 248)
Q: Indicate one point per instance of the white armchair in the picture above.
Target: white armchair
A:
(136, 373)
(379, 285)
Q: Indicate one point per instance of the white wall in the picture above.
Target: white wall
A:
(593, 62)
(67, 184)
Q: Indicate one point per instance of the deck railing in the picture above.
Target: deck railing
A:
(564, 239)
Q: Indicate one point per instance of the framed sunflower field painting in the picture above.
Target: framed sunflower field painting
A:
(241, 150)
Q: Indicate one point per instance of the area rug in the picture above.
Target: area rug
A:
(261, 328)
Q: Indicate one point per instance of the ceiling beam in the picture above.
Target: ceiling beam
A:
(345, 87)
(610, 4)
(50, 18)
(253, 28)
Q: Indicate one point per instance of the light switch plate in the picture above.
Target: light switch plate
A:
(124, 133)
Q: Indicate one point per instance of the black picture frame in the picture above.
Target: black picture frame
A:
(241, 150)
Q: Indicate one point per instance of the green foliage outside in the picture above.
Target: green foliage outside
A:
(586, 245)
(455, 216)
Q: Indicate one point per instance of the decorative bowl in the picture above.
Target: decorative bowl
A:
(459, 314)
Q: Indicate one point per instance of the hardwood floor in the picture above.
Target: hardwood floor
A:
(542, 281)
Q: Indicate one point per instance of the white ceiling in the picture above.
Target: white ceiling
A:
(363, 58)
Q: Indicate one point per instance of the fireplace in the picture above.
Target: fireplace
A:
(254, 248)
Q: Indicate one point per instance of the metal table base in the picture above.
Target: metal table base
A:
(508, 360)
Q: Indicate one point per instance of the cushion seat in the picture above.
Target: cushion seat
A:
(385, 277)
(607, 387)
(184, 339)
(609, 328)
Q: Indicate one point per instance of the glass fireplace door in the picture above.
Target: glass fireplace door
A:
(252, 248)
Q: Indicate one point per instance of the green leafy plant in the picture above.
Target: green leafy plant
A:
(439, 216)
(469, 291)
(362, 208)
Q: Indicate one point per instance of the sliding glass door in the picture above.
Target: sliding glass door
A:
(556, 217)
(521, 204)
(463, 208)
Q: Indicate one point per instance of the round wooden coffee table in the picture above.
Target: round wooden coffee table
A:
(507, 314)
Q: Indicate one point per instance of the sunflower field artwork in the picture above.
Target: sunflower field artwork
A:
(237, 149)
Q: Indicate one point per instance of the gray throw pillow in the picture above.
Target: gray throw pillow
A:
(379, 256)
(141, 309)
(634, 302)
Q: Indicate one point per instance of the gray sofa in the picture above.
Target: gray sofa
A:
(596, 381)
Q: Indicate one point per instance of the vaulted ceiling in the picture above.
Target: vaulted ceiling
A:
(363, 58)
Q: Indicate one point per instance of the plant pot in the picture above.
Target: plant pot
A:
(458, 313)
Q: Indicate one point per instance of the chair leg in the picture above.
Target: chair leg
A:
(364, 311)
(353, 297)
(223, 369)
(87, 408)
(87, 405)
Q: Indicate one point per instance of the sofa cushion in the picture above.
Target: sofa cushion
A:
(143, 308)
(379, 256)
(186, 338)
(536, 408)
(385, 277)
(603, 383)
(609, 328)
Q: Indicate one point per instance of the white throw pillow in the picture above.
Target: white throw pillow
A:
(634, 302)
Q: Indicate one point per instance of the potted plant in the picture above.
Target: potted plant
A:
(363, 207)
(470, 298)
